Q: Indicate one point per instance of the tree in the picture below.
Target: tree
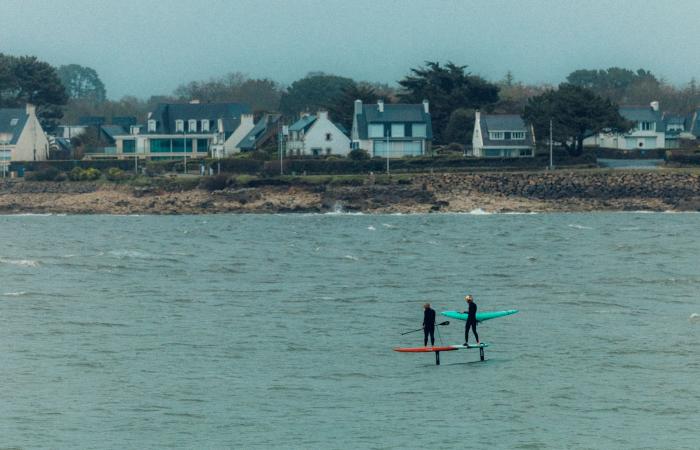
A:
(260, 94)
(25, 79)
(447, 88)
(616, 83)
(574, 111)
(341, 108)
(460, 126)
(82, 83)
(313, 92)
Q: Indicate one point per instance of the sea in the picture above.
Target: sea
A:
(277, 331)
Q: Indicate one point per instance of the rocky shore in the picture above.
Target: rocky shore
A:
(492, 192)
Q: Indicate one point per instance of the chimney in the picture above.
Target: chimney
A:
(477, 117)
(654, 105)
(323, 115)
(358, 107)
(380, 105)
(31, 109)
(247, 119)
(426, 106)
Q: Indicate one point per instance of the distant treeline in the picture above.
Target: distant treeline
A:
(69, 92)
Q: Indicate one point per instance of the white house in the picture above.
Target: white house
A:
(397, 129)
(175, 130)
(502, 136)
(21, 136)
(317, 135)
(648, 133)
(246, 126)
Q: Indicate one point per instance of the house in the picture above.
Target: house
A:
(648, 132)
(397, 129)
(174, 130)
(264, 132)
(502, 136)
(676, 128)
(317, 135)
(21, 136)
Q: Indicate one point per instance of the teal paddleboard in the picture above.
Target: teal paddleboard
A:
(480, 316)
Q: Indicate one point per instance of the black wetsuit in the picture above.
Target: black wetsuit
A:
(429, 326)
(471, 322)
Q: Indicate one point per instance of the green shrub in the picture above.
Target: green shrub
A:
(358, 154)
(215, 183)
(76, 174)
(116, 174)
(89, 174)
(46, 174)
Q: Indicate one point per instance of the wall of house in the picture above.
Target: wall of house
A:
(246, 125)
(315, 138)
(636, 140)
(32, 145)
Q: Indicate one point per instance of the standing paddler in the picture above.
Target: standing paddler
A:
(428, 325)
(471, 320)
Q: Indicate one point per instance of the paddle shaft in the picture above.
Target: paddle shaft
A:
(447, 322)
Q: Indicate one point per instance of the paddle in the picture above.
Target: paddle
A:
(447, 322)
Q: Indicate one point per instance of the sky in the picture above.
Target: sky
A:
(149, 47)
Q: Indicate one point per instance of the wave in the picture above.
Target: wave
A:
(371, 228)
(20, 262)
(479, 212)
(579, 227)
(350, 257)
(695, 317)
(14, 294)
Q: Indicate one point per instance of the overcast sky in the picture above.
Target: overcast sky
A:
(145, 47)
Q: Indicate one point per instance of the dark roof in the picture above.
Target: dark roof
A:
(642, 114)
(260, 132)
(113, 130)
(505, 122)
(91, 121)
(12, 121)
(393, 113)
(166, 114)
(124, 121)
(303, 124)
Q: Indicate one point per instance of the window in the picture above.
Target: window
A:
(517, 135)
(13, 122)
(525, 152)
(493, 152)
(179, 126)
(398, 130)
(647, 126)
(192, 125)
(329, 137)
(128, 146)
(419, 130)
(151, 126)
(316, 151)
(376, 130)
(328, 151)
(205, 125)
(496, 135)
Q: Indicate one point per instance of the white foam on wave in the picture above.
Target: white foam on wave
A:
(695, 317)
(352, 258)
(20, 262)
(579, 227)
(371, 228)
(130, 254)
(479, 212)
(14, 294)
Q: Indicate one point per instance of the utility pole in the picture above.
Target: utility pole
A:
(387, 148)
(551, 158)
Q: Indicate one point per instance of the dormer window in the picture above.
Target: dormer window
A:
(179, 126)
(205, 125)
(14, 122)
(647, 126)
(151, 126)
(192, 125)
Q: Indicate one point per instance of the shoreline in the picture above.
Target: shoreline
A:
(523, 192)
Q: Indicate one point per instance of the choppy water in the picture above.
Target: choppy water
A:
(276, 331)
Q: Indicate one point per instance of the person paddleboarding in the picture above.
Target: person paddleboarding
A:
(428, 325)
(471, 320)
